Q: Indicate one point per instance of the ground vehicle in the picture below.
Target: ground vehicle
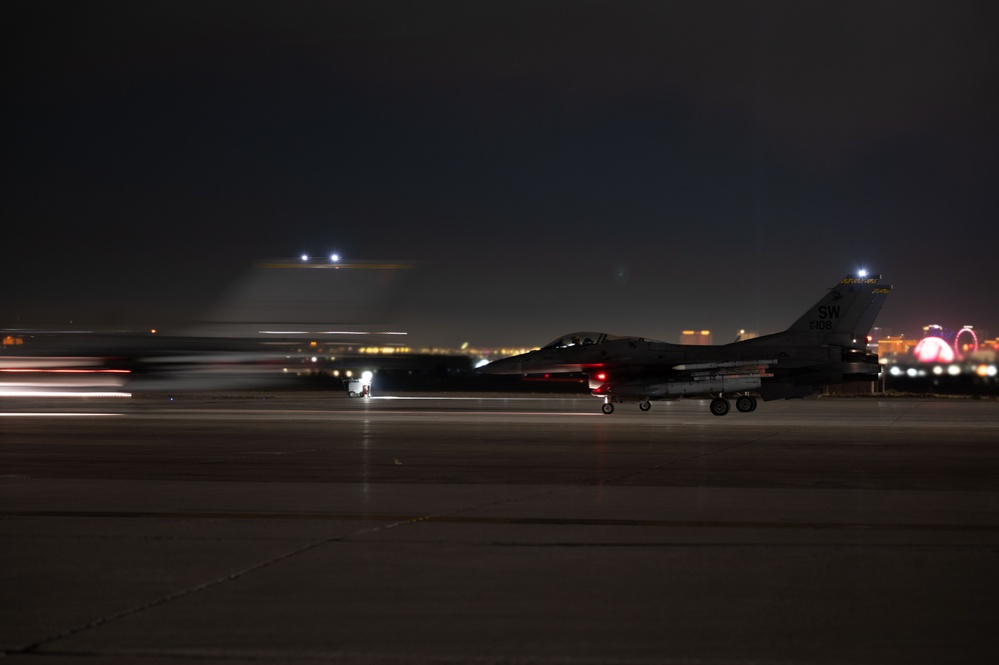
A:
(358, 387)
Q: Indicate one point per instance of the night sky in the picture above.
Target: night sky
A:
(637, 168)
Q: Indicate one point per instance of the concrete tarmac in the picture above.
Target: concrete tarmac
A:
(497, 529)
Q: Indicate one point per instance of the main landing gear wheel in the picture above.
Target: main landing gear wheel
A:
(719, 406)
(607, 408)
(745, 404)
(645, 406)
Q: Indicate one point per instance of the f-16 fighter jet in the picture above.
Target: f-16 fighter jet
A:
(827, 345)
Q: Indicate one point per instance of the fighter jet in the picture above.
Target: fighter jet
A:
(826, 345)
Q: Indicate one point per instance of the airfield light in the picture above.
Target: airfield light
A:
(334, 258)
(305, 257)
(862, 273)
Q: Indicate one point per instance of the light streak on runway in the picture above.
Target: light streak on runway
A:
(59, 393)
(58, 415)
(436, 398)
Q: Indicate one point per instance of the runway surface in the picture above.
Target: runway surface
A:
(497, 529)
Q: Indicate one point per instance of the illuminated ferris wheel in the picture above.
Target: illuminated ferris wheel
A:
(957, 341)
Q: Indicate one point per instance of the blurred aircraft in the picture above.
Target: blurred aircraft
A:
(281, 320)
(826, 346)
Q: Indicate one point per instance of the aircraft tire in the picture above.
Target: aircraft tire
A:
(719, 406)
(607, 408)
(645, 406)
(745, 404)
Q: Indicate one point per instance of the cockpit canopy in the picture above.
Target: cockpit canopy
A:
(582, 339)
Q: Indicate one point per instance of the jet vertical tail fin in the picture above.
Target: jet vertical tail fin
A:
(849, 308)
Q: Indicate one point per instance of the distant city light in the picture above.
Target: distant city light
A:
(934, 350)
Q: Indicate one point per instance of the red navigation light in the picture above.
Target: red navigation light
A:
(601, 376)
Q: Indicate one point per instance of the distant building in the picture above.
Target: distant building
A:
(698, 337)
(896, 346)
(933, 330)
(11, 340)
